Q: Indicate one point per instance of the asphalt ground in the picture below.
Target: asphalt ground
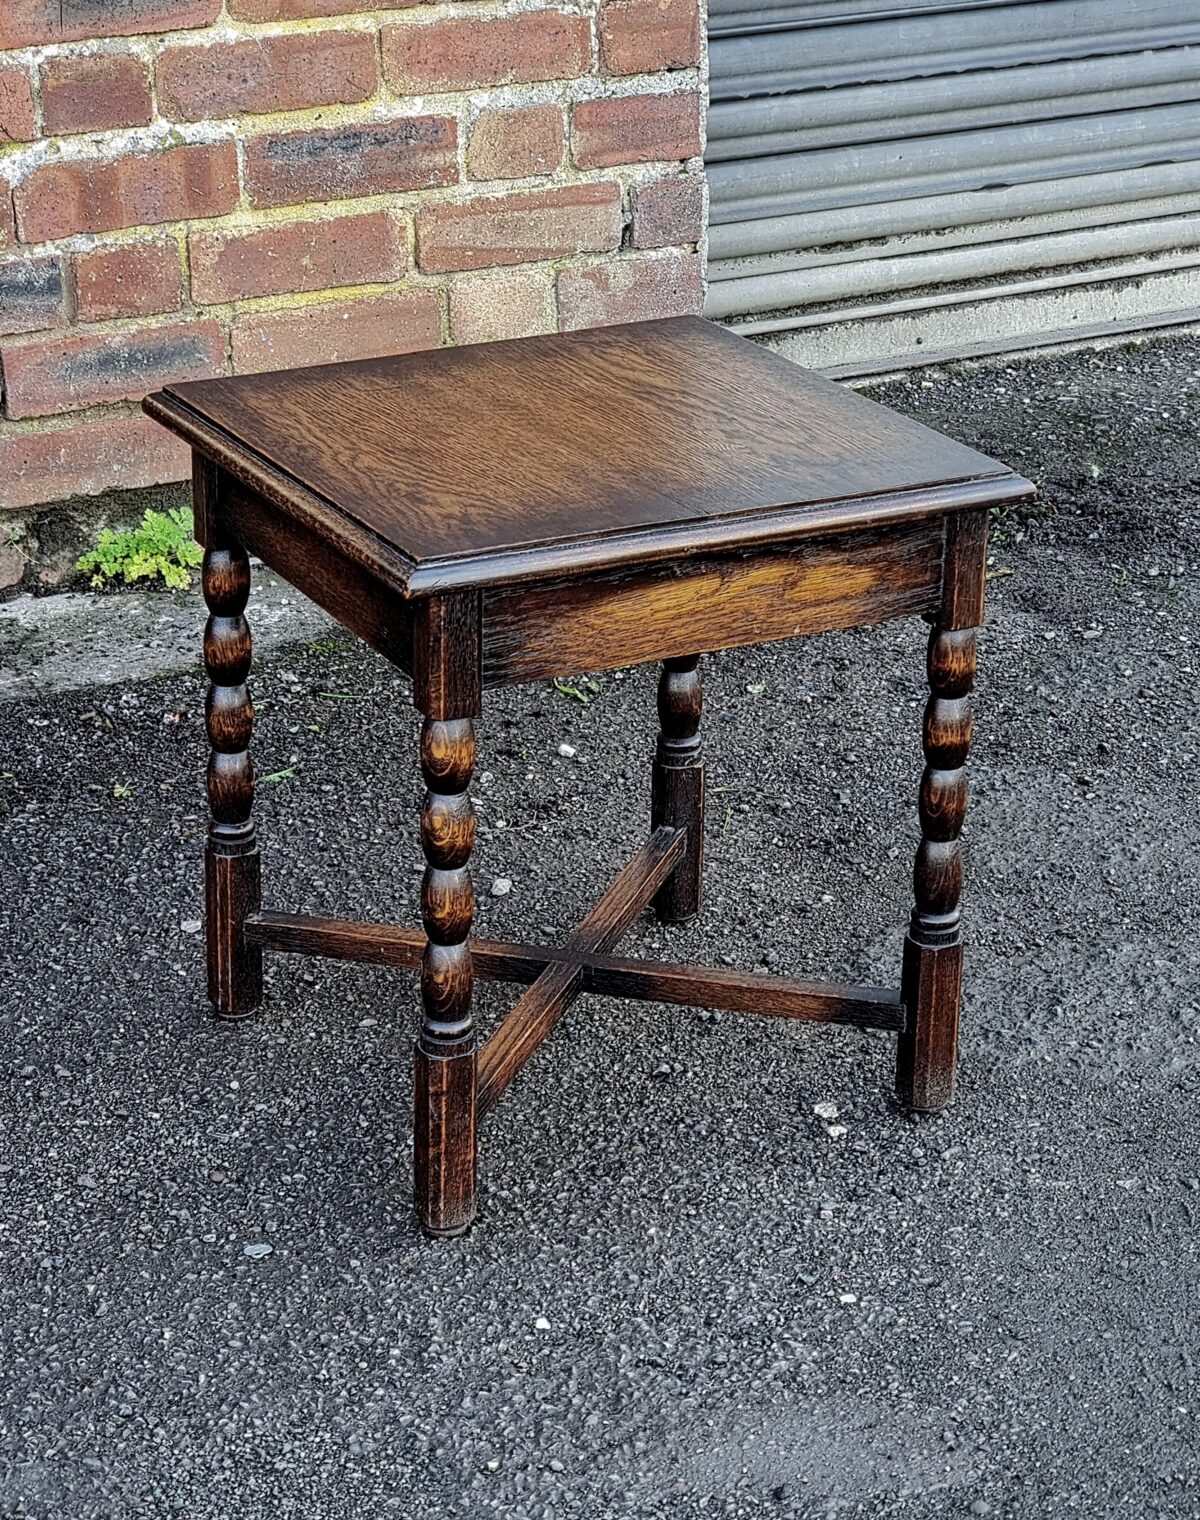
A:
(688, 1294)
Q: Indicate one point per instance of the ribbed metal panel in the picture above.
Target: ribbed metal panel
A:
(915, 145)
(994, 37)
(772, 124)
(753, 189)
(735, 17)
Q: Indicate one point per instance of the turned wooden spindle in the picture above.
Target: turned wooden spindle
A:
(927, 1052)
(447, 682)
(232, 876)
(447, 894)
(677, 788)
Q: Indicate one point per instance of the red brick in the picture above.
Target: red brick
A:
(31, 294)
(17, 120)
(465, 53)
(373, 158)
(87, 458)
(66, 373)
(646, 36)
(26, 23)
(128, 280)
(631, 290)
(635, 129)
(519, 229)
(59, 200)
(324, 334)
(515, 304)
(302, 10)
(268, 261)
(261, 74)
(669, 211)
(515, 144)
(96, 93)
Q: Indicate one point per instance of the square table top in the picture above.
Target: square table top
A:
(541, 456)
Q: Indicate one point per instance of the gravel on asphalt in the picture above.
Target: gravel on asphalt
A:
(689, 1294)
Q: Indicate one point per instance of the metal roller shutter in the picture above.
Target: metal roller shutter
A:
(894, 180)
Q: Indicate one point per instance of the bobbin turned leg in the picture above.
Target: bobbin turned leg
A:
(447, 690)
(231, 861)
(931, 987)
(677, 787)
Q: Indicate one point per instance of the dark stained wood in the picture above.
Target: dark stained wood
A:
(296, 503)
(966, 570)
(710, 603)
(744, 992)
(931, 985)
(539, 1009)
(231, 860)
(323, 571)
(447, 659)
(447, 691)
(679, 542)
(615, 976)
(575, 451)
(677, 784)
(206, 485)
(512, 511)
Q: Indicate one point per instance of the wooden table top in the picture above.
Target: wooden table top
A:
(573, 452)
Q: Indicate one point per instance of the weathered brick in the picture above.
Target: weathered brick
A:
(644, 36)
(312, 255)
(635, 129)
(95, 93)
(669, 211)
(87, 458)
(465, 53)
(632, 290)
(261, 74)
(519, 229)
(127, 280)
(26, 23)
(375, 158)
(18, 123)
(31, 294)
(515, 304)
(13, 564)
(64, 374)
(59, 200)
(366, 329)
(516, 143)
(302, 10)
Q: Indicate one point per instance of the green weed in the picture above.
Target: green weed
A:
(161, 547)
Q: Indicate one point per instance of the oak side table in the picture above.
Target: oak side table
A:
(517, 510)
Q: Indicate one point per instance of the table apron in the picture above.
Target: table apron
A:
(711, 602)
(700, 603)
(323, 571)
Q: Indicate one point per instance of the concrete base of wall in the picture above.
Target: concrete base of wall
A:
(40, 547)
(958, 324)
(76, 639)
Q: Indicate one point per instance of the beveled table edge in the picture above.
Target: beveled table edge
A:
(567, 557)
(282, 490)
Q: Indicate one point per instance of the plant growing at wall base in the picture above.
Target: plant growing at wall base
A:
(161, 546)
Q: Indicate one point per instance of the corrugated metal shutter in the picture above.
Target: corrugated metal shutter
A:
(871, 160)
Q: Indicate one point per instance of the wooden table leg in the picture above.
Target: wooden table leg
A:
(232, 878)
(677, 788)
(931, 987)
(446, 688)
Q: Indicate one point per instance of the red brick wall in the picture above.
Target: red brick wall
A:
(193, 187)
